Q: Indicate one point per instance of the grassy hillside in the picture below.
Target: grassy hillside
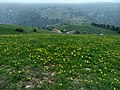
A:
(10, 29)
(59, 62)
(88, 28)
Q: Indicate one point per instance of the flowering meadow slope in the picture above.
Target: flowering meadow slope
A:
(59, 62)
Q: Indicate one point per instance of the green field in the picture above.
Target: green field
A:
(87, 28)
(59, 62)
(10, 29)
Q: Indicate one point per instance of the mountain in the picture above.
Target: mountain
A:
(107, 15)
(53, 14)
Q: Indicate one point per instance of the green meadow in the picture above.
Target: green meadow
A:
(59, 62)
(88, 29)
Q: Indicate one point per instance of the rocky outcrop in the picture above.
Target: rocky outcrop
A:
(71, 32)
(56, 31)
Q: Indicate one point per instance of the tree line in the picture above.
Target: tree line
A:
(110, 27)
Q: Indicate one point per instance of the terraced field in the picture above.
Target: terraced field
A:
(59, 62)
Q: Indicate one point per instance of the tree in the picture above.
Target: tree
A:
(19, 29)
(112, 27)
(63, 31)
(77, 32)
(93, 24)
(119, 30)
(34, 29)
(108, 26)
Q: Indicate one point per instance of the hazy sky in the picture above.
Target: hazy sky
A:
(58, 1)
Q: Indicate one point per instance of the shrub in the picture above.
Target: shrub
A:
(77, 32)
(119, 31)
(63, 31)
(34, 30)
(19, 29)
(84, 32)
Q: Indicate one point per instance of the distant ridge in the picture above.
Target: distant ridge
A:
(52, 14)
